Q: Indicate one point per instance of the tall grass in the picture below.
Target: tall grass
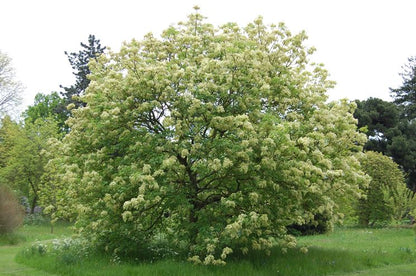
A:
(344, 251)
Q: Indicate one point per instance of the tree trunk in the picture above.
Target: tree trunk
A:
(35, 196)
(193, 229)
(32, 207)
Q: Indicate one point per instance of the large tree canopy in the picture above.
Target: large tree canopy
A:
(212, 138)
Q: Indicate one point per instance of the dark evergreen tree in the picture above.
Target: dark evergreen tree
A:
(79, 62)
(405, 95)
(403, 150)
(381, 119)
(390, 132)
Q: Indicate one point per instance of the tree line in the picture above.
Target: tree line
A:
(24, 144)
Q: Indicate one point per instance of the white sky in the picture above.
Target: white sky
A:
(363, 43)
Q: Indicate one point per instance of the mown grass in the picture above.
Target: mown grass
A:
(389, 251)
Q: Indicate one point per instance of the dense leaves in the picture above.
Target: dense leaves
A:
(213, 139)
(22, 162)
(389, 132)
(47, 106)
(386, 197)
(380, 118)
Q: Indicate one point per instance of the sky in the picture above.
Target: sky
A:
(363, 43)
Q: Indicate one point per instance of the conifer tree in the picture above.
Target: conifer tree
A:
(79, 63)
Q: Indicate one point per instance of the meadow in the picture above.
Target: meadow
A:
(346, 251)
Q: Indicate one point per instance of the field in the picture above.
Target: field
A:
(346, 251)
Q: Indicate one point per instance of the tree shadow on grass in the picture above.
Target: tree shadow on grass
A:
(317, 261)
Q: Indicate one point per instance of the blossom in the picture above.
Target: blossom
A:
(226, 251)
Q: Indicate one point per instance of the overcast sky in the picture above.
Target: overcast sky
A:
(363, 43)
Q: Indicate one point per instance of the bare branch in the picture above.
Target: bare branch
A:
(10, 90)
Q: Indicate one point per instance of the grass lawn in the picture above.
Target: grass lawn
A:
(10, 245)
(388, 251)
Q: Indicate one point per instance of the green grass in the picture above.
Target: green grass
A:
(397, 270)
(32, 233)
(11, 244)
(11, 239)
(389, 251)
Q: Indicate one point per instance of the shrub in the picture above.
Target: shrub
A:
(320, 225)
(36, 219)
(68, 251)
(385, 195)
(11, 212)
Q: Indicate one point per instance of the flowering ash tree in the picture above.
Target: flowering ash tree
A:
(215, 139)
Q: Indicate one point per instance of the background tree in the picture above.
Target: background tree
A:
(47, 106)
(215, 139)
(52, 190)
(10, 89)
(386, 196)
(79, 63)
(390, 132)
(405, 95)
(10, 132)
(381, 120)
(23, 163)
(403, 151)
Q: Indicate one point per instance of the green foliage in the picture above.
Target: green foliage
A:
(49, 119)
(386, 198)
(321, 224)
(216, 139)
(403, 145)
(47, 106)
(51, 189)
(390, 132)
(11, 213)
(403, 150)
(10, 135)
(23, 160)
(381, 119)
